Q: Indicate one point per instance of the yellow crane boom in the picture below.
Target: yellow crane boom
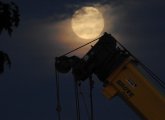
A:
(119, 71)
(128, 82)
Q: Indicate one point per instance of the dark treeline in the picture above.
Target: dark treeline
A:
(9, 19)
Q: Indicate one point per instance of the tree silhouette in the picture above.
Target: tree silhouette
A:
(4, 58)
(9, 19)
(9, 16)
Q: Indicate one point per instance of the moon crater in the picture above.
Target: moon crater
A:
(87, 22)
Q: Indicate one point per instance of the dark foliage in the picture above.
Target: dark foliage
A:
(9, 17)
(4, 59)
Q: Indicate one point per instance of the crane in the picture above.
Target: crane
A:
(122, 75)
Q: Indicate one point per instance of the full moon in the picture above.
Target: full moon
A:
(87, 22)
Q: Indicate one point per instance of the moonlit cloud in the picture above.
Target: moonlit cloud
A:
(65, 37)
(110, 13)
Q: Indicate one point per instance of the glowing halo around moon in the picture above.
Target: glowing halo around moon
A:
(87, 23)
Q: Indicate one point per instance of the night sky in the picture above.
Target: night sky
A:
(27, 90)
